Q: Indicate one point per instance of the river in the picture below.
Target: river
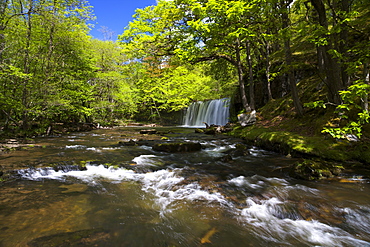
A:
(134, 196)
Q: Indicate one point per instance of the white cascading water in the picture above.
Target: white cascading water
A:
(210, 112)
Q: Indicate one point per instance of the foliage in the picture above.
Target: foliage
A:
(350, 110)
(177, 52)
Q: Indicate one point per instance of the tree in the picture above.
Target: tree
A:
(46, 65)
(284, 5)
(344, 46)
(113, 93)
(152, 39)
(325, 52)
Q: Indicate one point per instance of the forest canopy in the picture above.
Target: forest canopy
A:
(52, 71)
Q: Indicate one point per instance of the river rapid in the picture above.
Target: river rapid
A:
(135, 196)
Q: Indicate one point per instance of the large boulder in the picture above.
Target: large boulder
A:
(246, 119)
(172, 147)
(315, 169)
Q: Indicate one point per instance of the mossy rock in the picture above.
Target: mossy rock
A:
(177, 147)
(199, 130)
(315, 169)
(239, 150)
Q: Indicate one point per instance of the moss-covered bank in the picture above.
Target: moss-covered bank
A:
(323, 157)
(297, 145)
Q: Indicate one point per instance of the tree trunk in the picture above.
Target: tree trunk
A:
(251, 82)
(268, 66)
(288, 59)
(26, 69)
(367, 81)
(343, 43)
(240, 70)
(3, 7)
(331, 66)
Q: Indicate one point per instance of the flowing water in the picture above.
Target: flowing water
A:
(134, 196)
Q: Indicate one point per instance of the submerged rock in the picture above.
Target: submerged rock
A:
(89, 237)
(177, 147)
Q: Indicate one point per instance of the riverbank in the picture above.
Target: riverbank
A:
(296, 145)
(322, 156)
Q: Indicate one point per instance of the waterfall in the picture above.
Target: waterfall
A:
(211, 112)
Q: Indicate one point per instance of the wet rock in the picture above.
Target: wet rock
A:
(315, 169)
(239, 150)
(214, 129)
(12, 141)
(321, 211)
(148, 132)
(226, 158)
(128, 143)
(177, 147)
(149, 143)
(68, 168)
(210, 131)
(89, 237)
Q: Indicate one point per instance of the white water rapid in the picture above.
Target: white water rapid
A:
(211, 112)
(85, 190)
(264, 217)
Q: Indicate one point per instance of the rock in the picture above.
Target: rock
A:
(177, 147)
(226, 158)
(210, 131)
(246, 119)
(128, 143)
(315, 169)
(351, 138)
(239, 150)
(89, 237)
(148, 132)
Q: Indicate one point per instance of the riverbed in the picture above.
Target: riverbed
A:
(86, 189)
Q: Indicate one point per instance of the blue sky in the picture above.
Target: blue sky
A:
(115, 14)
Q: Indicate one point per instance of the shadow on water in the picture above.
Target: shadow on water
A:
(105, 194)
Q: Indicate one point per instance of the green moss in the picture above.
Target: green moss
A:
(297, 145)
(315, 169)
